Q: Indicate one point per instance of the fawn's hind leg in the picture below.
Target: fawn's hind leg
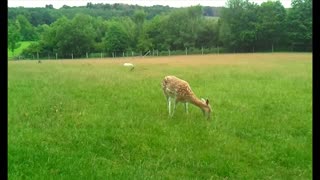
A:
(186, 107)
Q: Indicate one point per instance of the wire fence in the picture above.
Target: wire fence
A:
(119, 54)
(149, 53)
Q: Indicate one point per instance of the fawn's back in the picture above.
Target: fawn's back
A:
(177, 88)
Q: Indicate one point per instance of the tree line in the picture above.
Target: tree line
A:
(47, 15)
(242, 26)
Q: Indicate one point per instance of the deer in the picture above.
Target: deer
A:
(177, 90)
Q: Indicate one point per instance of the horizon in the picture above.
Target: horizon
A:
(57, 4)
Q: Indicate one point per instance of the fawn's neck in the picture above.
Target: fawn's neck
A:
(197, 102)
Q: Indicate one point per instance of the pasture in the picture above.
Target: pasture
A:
(18, 51)
(96, 119)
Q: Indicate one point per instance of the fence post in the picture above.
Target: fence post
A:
(32, 56)
(131, 53)
(253, 49)
(122, 54)
(272, 47)
(157, 52)
(218, 49)
(186, 51)
(169, 52)
(56, 55)
(87, 55)
(202, 50)
(48, 56)
(72, 55)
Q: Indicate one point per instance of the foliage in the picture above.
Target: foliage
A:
(116, 39)
(76, 37)
(27, 31)
(300, 24)
(48, 15)
(180, 28)
(240, 17)
(33, 49)
(242, 27)
(155, 29)
(129, 28)
(68, 37)
(22, 45)
(144, 43)
(208, 34)
(270, 29)
(13, 36)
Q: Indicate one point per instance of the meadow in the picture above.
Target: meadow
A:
(18, 51)
(95, 119)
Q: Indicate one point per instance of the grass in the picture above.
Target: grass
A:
(94, 119)
(18, 51)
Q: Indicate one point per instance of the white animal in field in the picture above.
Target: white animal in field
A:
(129, 65)
(177, 90)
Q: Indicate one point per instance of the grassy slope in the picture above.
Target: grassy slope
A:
(80, 119)
(24, 44)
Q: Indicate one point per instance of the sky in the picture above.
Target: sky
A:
(172, 3)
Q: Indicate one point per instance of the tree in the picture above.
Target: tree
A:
(271, 22)
(181, 27)
(76, 37)
(39, 16)
(13, 36)
(26, 29)
(129, 28)
(144, 43)
(225, 35)
(32, 49)
(50, 6)
(66, 36)
(300, 24)
(240, 17)
(208, 33)
(138, 18)
(208, 11)
(49, 41)
(100, 26)
(116, 38)
(155, 30)
(40, 30)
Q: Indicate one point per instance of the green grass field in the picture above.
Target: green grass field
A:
(94, 119)
(24, 44)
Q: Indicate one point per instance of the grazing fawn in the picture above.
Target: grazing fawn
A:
(178, 90)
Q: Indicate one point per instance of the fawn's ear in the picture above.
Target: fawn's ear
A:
(207, 101)
(203, 100)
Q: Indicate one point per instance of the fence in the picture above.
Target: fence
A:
(153, 52)
(117, 54)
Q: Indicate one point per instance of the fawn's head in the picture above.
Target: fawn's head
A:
(207, 108)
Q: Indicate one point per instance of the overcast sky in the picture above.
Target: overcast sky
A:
(172, 3)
